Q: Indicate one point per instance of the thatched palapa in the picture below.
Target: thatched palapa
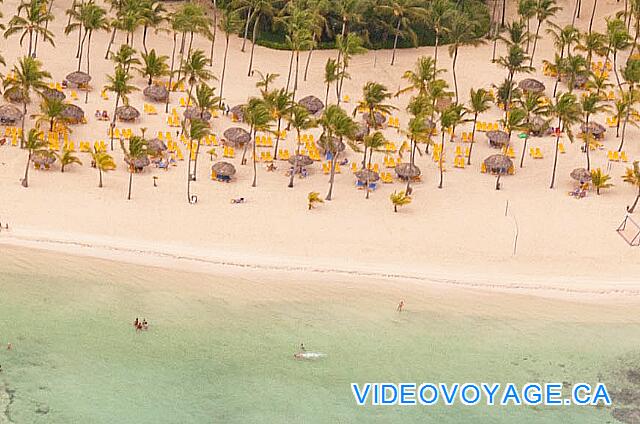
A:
(156, 93)
(361, 132)
(367, 175)
(530, 85)
(196, 113)
(73, 114)
(335, 146)
(300, 160)
(14, 95)
(236, 136)
(78, 79)
(43, 158)
(406, 170)
(313, 104)
(595, 129)
(50, 93)
(237, 112)
(224, 169)
(581, 175)
(9, 114)
(156, 147)
(380, 118)
(127, 113)
(498, 164)
(139, 163)
(497, 138)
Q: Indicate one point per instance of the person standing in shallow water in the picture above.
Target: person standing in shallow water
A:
(400, 306)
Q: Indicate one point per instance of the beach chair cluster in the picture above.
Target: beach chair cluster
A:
(386, 177)
(283, 154)
(612, 121)
(615, 156)
(55, 86)
(548, 70)
(264, 141)
(173, 120)
(437, 154)
(150, 109)
(467, 137)
(509, 151)
(229, 152)
(510, 171)
(177, 86)
(326, 168)
(104, 95)
(14, 133)
(536, 153)
(120, 133)
(390, 162)
(265, 157)
(185, 102)
(310, 149)
(487, 126)
(393, 122)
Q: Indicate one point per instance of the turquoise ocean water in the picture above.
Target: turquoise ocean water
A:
(213, 357)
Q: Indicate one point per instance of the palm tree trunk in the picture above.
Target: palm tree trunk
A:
(79, 49)
(88, 48)
(626, 119)
(453, 71)
(412, 142)
(215, 30)
(368, 166)
(289, 73)
(441, 160)
(30, 41)
(25, 181)
(633, 207)
(326, 96)
(615, 69)
(535, 43)
(255, 169)
(24, 114)
(246, 30)
(306, 67)
(524, 149)
(295, 80)
(253, 43)
(100, 174)
(473, 136)
(295, 165)
(130, 182)
(555, 158)
(173, 55)
(587, 134)
(504, 11)
(593, 13)
(331, 178)
(224, 68)
(275, 149)
(195, 161)
(113, 122)
(435, 52)
(113, 37)
(395, 42)
(181, 56)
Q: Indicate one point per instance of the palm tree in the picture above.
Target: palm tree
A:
(154, 66)
(479, 102)
(119, 84)
(632, 176)
(418, 79)
(103, 162)
(52, 113)
(261, 8)
(313, 198)
(373, 96)
(438, 14)
(531, 103)
(336, 125)
(33, 24)
(137, 151)
(574, 66)
(527, 10)
(34, 143)
(279, 103)
(516, 33)
(198, 129)
(419, 131)
(451, 117)
(195, 69)
(566, 109)
(229, 23)
(545, 9)
(28, 77)
(331, 75)
(348, 46)
(258, 116)
(462, 32)
(618, 40)
(399, 199)
(67, 158)
(92, 18)
(298, 37)
(591, 104)
(631, 74)
(265, 81)
(300, 119)
(404, 11)
(514, 63)
(317, 11)
(204, 100)
(600, 180)
(125, 57)
(593, 42)
(373, 142)
(178, 22)
(153, 14)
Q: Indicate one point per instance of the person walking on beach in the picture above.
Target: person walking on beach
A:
(400, 306)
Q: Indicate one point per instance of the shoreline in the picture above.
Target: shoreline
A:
(214, 262)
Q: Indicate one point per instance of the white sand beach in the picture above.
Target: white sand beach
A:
(458, 233)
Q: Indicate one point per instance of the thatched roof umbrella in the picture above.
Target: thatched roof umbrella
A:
(139, 163)
(78, 79)
(224, 169)
(380, 118)
(313, 104)
(50, 93)
(581, 175)
(405, 171)
(14, 95)
(497, 138)
(300, 160)
(157, 93)
(530, 85)
(539, 126)
(595, 129)
(43, 158)
(579, 81)
(74, 114)
(9, 114)
(238, 112)
(127, 113)
(196, 112)
(498, 165)
(336, 145)
(365, 175)
(156, 147)
(361, 132)
(236, 136)
(442, 103)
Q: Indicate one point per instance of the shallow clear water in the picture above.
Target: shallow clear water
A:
(211, 357)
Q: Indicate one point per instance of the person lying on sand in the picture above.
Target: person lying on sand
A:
(238, 200)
